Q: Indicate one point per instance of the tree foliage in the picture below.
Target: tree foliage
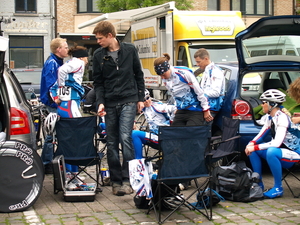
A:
(107, 6)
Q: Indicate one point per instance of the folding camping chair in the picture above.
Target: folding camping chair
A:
(226, 145)
(181, 159)
(77, 142)
(294, 172)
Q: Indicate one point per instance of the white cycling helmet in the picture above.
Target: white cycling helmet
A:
(50, 122)
(273, 95)
(147, 95)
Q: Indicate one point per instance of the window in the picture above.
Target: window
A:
(26, 51)
(25, 6)
(275, 52)
(255, 53)
(253, 7)
(182, 57)
(87, 6)
(213, 5)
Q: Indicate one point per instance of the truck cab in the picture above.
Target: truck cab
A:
(181, 34)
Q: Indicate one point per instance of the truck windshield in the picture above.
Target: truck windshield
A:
(217, 53)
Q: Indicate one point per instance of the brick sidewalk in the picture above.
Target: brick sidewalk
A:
(51, 209)
(108, 209)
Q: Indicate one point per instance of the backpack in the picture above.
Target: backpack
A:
(237, 182)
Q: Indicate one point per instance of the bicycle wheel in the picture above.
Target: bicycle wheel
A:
(141, 123)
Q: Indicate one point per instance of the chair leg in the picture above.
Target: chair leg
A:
(290, 172)
(183, 201)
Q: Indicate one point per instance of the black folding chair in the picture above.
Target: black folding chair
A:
(77, 142)
(294, 171)
(181, 159)
(226, 145)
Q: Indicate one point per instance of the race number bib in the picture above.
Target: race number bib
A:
(64, 93)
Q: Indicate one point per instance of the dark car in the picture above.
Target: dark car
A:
(15, 111)
(268, 50)
(30, 79)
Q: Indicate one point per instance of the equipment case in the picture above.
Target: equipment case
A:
(61, 184)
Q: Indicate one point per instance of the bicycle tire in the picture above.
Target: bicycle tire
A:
(41, 131)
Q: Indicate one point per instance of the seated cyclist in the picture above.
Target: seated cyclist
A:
(157, 114)
(282, 150)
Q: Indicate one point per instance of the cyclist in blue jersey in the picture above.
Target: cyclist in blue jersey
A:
(192, 105)
(59, 51)
(157, 114)
(282, 150)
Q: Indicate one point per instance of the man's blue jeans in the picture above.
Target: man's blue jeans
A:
(119, 123)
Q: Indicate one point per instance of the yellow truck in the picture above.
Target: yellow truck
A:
(181, 34)
(164, 29)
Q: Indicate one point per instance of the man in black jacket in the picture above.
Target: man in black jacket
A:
(119, 86)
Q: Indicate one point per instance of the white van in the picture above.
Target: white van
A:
(275, 45)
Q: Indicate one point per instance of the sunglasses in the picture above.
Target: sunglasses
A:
(263, 102)
(147, 98)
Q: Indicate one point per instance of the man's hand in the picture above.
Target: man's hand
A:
(140, 106)
(207, 116)
(101, 110)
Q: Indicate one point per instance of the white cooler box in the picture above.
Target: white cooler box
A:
(75, 191)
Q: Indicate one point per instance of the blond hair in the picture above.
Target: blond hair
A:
(56, 43)
(294, 90)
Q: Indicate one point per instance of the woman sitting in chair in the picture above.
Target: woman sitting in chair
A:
(157, 114)
(281, 150)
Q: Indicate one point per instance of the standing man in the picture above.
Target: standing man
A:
(119, 87)
(59, 50)
(212, 82)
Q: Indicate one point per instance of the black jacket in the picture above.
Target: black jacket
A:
(117, 83)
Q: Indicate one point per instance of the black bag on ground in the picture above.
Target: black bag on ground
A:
(141, 202)
(237, 182)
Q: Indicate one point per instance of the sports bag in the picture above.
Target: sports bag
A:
(237, 182)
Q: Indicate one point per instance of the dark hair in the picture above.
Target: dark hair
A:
(78, 51)
(201, 53)
(161, 60)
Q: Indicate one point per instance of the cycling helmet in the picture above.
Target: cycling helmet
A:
(147, 95)
(50, 122)
(273, 95)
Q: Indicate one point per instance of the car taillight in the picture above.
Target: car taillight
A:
(241, 110)
(19, 122)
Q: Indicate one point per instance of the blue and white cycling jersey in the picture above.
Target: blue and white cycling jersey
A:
(213, 85)
(68, 86)
(159, 114)
(283, 134)
(186, 90)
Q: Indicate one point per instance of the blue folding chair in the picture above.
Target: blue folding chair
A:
(77, 142)
(181, 159)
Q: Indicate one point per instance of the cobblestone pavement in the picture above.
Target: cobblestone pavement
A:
(108, 209)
